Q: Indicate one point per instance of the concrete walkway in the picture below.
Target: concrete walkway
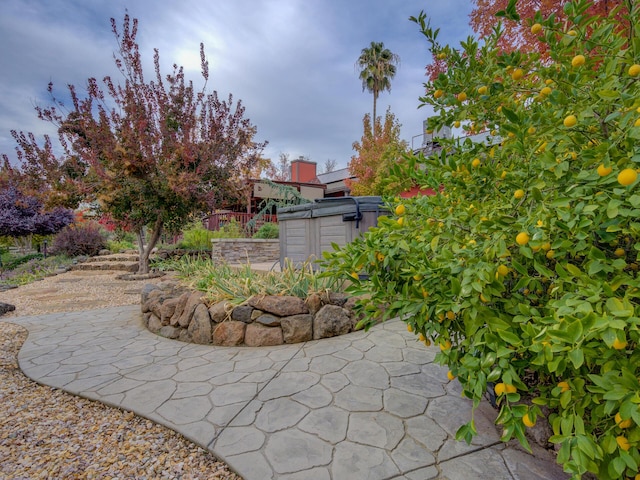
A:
(368, 405)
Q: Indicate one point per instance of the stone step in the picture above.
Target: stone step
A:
(109, 265)
(116, 257)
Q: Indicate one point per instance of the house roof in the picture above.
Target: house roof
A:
(335, 176)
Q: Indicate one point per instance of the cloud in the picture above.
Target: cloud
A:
(291, 62)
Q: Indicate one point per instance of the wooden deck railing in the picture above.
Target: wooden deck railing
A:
(218, 220)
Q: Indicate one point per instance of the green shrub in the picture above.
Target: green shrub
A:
(524, 268)
(117, 246)
(231, 229)
(196, 237)
(268, 231)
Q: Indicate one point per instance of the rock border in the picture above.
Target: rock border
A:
(172, 311)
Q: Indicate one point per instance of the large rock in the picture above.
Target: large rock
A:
(229, 333)
(331, 321)
(280, 305)
(257, 335)
(170, 332)
(146, 290)
(242, 313)
(314, 303)
(167, 310)
(200, 325)
(219, 312)
(153, 301)
(182, 302)
(6, 308)
(153, 323)
(195, 299)
(269, 320)
(297, 328)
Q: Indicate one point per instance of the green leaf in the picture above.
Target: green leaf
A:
(577, 357)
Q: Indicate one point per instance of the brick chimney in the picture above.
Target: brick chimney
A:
(303, 171)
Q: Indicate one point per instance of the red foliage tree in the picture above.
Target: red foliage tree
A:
(155, 151)
(516, 19)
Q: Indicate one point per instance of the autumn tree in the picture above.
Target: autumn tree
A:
(379, 148)
(519, 35)
(377, 66)
(155, 151)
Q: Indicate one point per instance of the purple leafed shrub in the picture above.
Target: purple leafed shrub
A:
(21, 215)
(80, 239)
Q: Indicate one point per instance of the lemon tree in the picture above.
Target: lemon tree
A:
(536, 293)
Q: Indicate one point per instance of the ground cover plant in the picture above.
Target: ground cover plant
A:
(524, 267)
(25, 269)
(220, 281)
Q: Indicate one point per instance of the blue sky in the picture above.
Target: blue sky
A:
(291, 62)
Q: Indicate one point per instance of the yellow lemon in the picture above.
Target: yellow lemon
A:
(450, 375)
(548, 81)
(518, 193)
(546, 246)
(451, 315)
(355, 275)
(517, 74)
(380, 256)
(462, 97)
(570, 121)
(400, 210)
(503, 270)
(528, 421)
(483, 90)
(438, 93)
(623, 443)
(476, 162)
(502, 388)
(564, 386)
(550, 254)
(637, 122)
(421, 337)
(531, 130)
(401, 221)
(522, 238)
(578, 61)
(627, 176)
(503, 175)
(442, 56)
(456, 124)
(620, 252)
(445, 345)
(572, 33)
(536, 28)
(409, 328)
(604, 171)
(622, 423)
(634, 70)
(619, 344)
(546, 91)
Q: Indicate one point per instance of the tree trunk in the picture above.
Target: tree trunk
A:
(373, 120)
(144, 251)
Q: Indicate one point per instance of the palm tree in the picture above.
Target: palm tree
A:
(377, 66)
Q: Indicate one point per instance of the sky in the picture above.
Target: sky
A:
(290, 62)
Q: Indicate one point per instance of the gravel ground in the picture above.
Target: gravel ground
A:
(47, 433)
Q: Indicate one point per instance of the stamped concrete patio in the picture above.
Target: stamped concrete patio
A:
(368, 405)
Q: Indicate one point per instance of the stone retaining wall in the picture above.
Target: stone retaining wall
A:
(174, 312)
(239, 250)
